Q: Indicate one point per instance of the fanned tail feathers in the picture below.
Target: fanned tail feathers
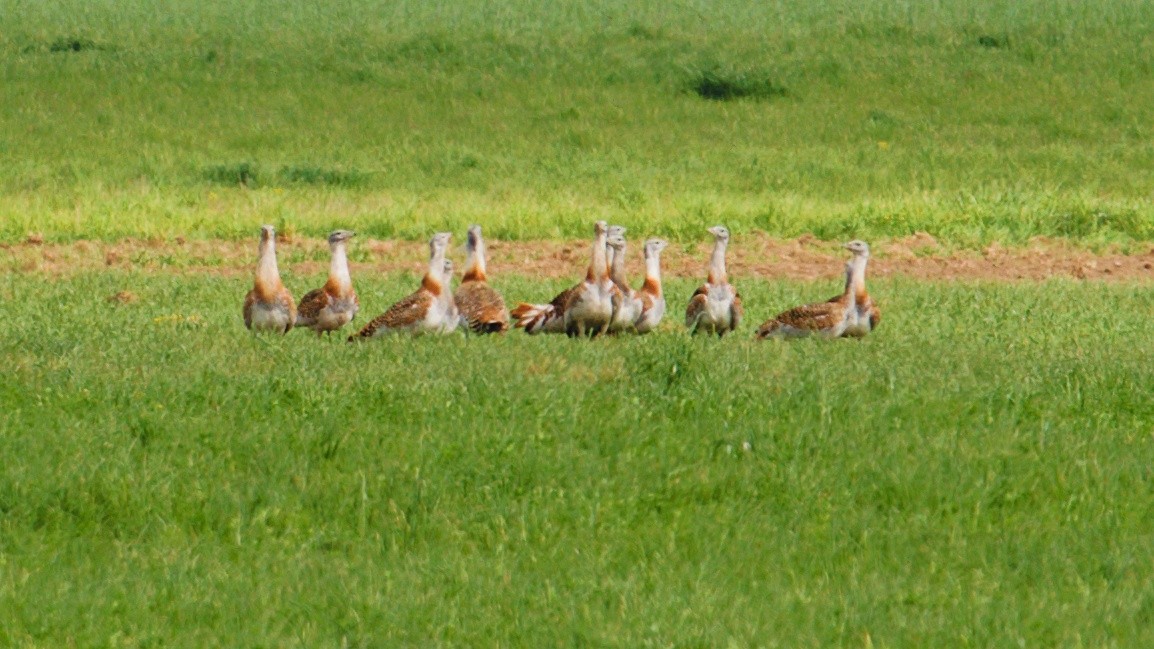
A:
(534, 318)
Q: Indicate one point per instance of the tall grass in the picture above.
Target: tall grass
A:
(977, 472)
(973, 121)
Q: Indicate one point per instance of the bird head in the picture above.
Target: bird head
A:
(858, 247)
(337, 236)
(473, 236)
(440, 241)
(655, 246)
(720, 232)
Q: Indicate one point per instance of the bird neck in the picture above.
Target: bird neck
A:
(717, 264)
(598, 268)
(652, 274)
(432, 279)
(856, 279)
(475, 264)
(267, 273)
(617, 267)
(339, 279)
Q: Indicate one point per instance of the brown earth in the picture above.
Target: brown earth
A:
(805, 258)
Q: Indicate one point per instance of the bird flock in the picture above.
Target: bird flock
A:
(602, 303)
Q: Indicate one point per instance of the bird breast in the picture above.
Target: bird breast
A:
(269, 316)
(717, 303)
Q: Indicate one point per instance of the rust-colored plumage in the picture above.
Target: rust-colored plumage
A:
(335, 304)
(584, 308)
(836, 317)
(269, 306)
(827, 319)
(627, 303)
(543, 318)
(480, 305)
(590, 307)
(867, 315)
(651, 296)
(426, 310)
(715, 307)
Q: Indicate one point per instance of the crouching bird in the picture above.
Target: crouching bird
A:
(429, 309)
(852, 313)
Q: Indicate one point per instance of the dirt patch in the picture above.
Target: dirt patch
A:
(805, 258)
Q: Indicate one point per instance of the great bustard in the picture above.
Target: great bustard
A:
(586, 307)
(651, 296)
(482, 307)
(716, 306)
(269, 306)
(327, 309)
(833, 318)
(426, 310)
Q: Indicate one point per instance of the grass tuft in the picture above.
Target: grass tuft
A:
(243, 174)
(716, 84)
(73, 44)
(309, 175)
(993, 42)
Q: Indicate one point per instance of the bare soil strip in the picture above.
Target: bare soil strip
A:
(806, 258)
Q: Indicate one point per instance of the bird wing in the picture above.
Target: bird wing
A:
(808, 317)
(875, 316)
(566, 299)
(402, 315)
(249, 301)
(482, 307)
(736, 310)
(312, 304)
(286, 300)
(696, 307)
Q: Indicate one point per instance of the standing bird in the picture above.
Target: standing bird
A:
(426, 310)
(835, 317)
(327, 309)
(590, 308)
(269, 306)
(866, 314)
(652, 299)
(481, 307)
(626, 302)
(716, 306)
(552, 317)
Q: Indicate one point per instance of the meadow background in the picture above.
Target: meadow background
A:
(979, 472)
(973, 121)
(170, 481)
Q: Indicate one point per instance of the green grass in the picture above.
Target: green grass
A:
(975, 121)
(976, 473)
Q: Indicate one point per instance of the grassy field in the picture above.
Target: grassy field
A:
(975, 474)
(974, 121)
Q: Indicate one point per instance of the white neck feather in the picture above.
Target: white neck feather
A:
(857, 273)
(717, 263)
(267, 271)
(476, 259)
(598, 267)
(339, 268)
